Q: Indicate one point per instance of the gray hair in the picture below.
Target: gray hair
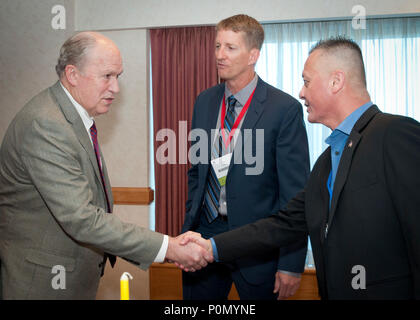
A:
(74, 50)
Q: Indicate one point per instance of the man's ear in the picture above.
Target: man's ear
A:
(337, 81)
(254, 54)
(72, 74)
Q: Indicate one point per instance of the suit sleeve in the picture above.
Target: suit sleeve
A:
(285, 228)
(402, 173)
(48, 153)
(292, 162)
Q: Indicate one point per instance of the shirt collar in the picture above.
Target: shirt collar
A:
(344, 128)
(243, 95)
(347, 125)
(86, 118)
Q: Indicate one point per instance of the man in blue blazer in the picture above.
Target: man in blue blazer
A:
(267, 163)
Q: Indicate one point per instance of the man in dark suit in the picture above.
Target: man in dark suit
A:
(361, 203)
(271, 132)
(55, 195)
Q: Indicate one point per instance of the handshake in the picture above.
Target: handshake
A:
(189, 251)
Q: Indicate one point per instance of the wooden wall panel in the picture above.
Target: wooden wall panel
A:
(132, 196)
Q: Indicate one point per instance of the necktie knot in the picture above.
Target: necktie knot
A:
(231, 102)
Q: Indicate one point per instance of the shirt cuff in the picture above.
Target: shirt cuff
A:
(294, 274)
(162, 252)
(213, 245)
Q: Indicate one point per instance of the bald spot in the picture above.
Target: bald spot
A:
(103, 47)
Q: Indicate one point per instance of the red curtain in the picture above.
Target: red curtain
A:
(183, 65)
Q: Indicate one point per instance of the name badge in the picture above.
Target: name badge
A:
(221, 167)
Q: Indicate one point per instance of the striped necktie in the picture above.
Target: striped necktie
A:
(212, 195)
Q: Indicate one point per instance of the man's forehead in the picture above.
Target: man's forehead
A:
(305, 71)
(240, 34)
(310, 63)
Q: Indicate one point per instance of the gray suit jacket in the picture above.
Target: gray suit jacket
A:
(52, 206)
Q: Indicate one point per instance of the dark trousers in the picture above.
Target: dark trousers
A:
(214, 281)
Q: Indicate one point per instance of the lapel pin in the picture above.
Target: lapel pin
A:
(350, 144)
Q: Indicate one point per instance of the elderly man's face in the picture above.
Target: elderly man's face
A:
(98, 78)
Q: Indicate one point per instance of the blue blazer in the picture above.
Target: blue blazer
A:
(285, 157)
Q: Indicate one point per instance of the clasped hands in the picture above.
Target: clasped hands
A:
(189, 251)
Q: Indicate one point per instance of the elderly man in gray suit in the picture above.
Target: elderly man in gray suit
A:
(55, 195)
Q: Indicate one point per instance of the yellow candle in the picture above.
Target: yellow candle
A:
(124, 287)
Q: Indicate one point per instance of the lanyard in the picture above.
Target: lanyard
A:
(237, 122)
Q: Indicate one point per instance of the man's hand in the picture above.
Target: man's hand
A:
(188, 255)
(191, 237)
(195, 237)
(286, 285)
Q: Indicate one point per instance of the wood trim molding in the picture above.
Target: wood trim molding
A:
(133, 196)
(166, 284)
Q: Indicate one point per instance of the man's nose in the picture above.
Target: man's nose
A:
(220, 54)
(301, 95)
(114, 85)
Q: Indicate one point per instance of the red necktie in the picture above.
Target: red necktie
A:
(94, 135)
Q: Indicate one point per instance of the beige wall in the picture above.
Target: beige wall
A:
(29, 50)
(109, 14)
(124, 137)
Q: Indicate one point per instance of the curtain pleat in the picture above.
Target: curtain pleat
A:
(183, 65)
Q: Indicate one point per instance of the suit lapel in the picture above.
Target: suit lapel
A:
(107, 182)
(79, 129)
(323, 177)
(211, 114)
(347, 157)
(343, 170)
(324, 171)
(256, 108)
(213, 110)
(254, 113)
